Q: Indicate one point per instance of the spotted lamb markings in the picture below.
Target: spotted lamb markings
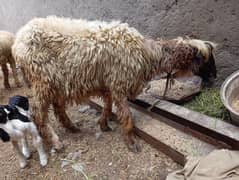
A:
(13, 114)
(10, 112)
(15, 124)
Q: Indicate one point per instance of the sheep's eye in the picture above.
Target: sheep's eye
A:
(166, 49)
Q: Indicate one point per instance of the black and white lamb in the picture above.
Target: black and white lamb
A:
(15, 124)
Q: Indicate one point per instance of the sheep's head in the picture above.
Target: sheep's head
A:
(192, 55)
(204, 61)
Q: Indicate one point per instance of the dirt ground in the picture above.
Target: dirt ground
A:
(99, 155)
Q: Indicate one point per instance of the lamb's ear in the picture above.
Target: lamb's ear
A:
(3, 116)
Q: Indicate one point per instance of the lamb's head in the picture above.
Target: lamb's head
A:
(186, 55)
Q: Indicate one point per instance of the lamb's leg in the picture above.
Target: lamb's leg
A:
(60, 112)
(5, 76)
(37, 142)
(125, 119)
(14, 72)
(25, 148)
(22, 159)
(106, 112)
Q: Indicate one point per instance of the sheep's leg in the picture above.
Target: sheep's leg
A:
(37, 142)
(25, 148)
(55, 138)
(40, 119)
(40, 116)
(59, 110)
(22, 159)
(106, 112)
(14, 72)
(125, 119)
(5, 76)
(27, 82)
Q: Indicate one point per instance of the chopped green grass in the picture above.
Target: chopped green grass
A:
(209, 103)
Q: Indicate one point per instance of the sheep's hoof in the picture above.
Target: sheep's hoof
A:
(105, 128)
(7, 86)
(58, 146)
(18, 85)
(74, 129)
(110, 118)
(103, 124)
(132, 144)
(135, 148)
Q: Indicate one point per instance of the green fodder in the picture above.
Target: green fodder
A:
(209, 103)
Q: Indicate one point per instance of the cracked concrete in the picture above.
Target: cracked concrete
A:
(214, 20)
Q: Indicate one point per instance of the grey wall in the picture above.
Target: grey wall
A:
(215, 20)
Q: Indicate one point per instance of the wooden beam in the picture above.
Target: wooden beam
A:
(212, 127)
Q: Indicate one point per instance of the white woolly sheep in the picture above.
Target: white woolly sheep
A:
(15, 124)
(68, 61)
(6, 42)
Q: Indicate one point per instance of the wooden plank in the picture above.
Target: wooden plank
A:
(164, 148)
(212, 127)
(182, 128)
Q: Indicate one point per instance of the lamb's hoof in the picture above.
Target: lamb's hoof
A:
(105, 128)
(26, 153)
(135, 148)
(23, 164)
(43, 161)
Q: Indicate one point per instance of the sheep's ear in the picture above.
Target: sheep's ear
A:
(198, 58)
(211, 45)
(212, 65)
